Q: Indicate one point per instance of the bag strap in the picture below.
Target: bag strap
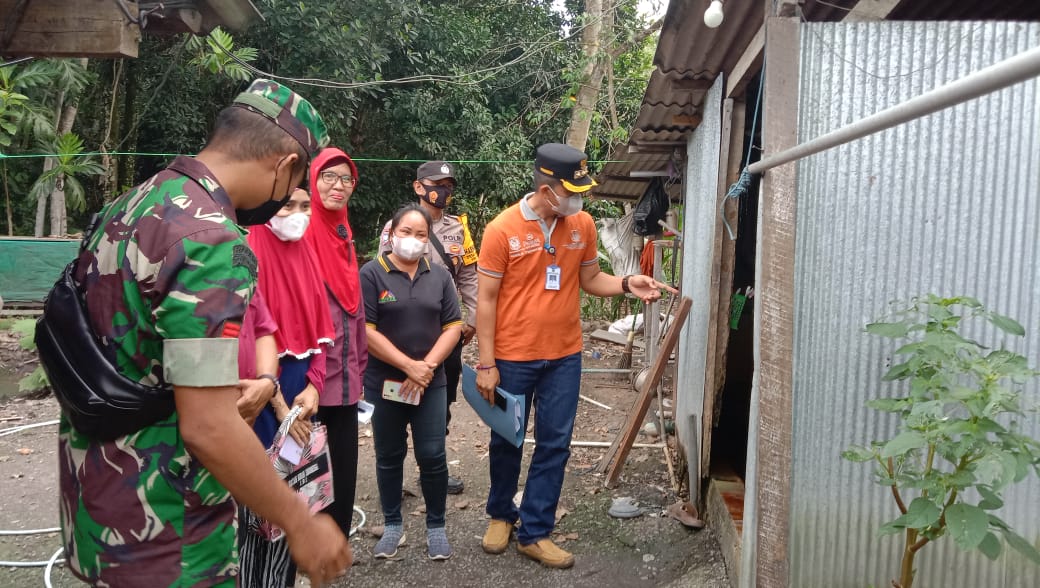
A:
(444, 256)
(283, 429)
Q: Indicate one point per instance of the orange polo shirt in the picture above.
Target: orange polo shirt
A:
(531, 321)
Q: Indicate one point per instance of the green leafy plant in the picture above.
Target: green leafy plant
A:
(958, 446)
(217, 54)
(63, 176)
(37, 379)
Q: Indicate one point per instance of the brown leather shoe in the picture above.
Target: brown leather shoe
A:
(548, 553)
(496, 538)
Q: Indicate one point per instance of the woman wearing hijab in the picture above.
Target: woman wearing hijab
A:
(333, 176)
(291, 295)
(294, 292)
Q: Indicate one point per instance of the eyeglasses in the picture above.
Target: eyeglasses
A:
(331, 177)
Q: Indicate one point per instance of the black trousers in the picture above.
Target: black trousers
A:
(452, 372)
(342, 425)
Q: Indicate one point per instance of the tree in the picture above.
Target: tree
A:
(609, 30)
(61, 178)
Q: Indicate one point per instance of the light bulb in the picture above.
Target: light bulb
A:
(713, 15)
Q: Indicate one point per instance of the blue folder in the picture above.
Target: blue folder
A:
(505, 416)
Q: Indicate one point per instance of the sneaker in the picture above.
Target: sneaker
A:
(393, 537)
(496, 538)
(437, 544)
(455, 485)
(548, 553)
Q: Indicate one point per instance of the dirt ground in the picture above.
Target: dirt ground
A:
(651, 550)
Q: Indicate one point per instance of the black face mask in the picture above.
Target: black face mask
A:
(438, 196)
(248, 217)
(261, 214)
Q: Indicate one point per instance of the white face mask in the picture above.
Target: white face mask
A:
(408, 248)
(290, 228)
(568, 206)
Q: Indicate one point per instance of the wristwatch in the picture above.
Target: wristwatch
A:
(624, 285)
(274, 380)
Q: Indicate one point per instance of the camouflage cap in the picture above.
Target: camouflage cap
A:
(288, 110)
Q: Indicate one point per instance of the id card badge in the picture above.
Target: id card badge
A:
(552, 277)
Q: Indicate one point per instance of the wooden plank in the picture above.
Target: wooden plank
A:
(748, 64)
(605, 335)
(775, 296)
(728, 258)
(721, 275)
(85, 28)
(615, 457)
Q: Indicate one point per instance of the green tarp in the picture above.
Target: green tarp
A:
(29, 267)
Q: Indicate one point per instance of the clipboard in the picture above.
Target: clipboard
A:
(505, 417)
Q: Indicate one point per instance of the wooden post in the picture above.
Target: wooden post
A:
(723, 259)
(58, 28)
(615, 457)
(774, 294)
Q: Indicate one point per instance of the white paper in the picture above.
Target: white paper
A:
(291, 450)
(365, 409)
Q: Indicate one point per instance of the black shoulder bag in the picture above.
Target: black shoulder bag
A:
(99, 401)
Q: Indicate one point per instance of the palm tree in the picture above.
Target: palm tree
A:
(61, 183)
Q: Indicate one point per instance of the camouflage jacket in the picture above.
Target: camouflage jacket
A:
(166, 262)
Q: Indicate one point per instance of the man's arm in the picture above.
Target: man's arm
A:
(468, 285)
(487, 308)
(215, 435)
(599, 283)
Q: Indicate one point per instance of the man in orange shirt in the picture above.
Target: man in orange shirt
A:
(534, 257)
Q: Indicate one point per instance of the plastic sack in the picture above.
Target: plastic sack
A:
(651, 208)
(616, 237)
(310, 477)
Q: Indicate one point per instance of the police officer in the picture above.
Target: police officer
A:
(450, 246)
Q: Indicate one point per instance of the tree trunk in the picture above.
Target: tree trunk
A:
(596, 21)
(41, 202)
(7, 197)
(59, 214)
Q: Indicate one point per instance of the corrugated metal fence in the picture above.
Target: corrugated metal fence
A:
(948, 204)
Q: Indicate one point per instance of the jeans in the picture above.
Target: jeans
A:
(389, 431)
(553, 385)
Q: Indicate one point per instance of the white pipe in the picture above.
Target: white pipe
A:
(50, 565)
(1000, 75)
(602, 444)
(31, 531)
(591, 401)
(20, 428)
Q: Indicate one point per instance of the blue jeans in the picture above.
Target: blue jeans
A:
(389, 431)
(553, 385)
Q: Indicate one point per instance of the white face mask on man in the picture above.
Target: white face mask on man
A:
(566, 206)
(408, 248)
(290, 228)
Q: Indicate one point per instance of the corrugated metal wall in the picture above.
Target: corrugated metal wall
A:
(948, 204)
(701, 206)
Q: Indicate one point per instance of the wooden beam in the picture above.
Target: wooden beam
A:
(614, 459)
(748, 65)
(732, 143)
(85, 28)
(689, 85)
(686, 120)
(774, 293)
(871, 10)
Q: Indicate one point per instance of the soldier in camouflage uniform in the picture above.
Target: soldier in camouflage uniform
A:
(167, 276)
(434, 184)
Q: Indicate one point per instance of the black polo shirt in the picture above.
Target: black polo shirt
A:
(411, 313)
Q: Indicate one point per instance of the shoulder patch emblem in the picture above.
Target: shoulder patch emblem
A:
(387, 296)
(243, 256)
